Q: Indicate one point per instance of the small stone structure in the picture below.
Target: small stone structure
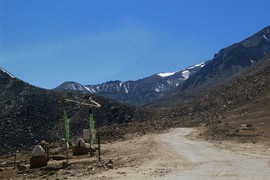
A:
(80, 147)
(38, 158)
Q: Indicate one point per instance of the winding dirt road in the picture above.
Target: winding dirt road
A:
(174, 156)
(210, 162)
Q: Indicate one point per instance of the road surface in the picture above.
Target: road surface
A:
(174, 156)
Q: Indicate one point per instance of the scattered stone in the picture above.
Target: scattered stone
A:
(56, 151)
(65, 164)
(43, 143)
(109, 164)
(217, 121)
(58, 157)
(3, 164)
(90, 168)
(21, 167)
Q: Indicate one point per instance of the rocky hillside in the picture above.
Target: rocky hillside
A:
(29, 114)
(232, 60)
(243, 100)
(139, 92)
(227, 64)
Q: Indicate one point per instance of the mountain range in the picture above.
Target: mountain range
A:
(227, 64)
(232, 88)
(187, 84)
(140, 92)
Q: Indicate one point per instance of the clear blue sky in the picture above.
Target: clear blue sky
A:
(47, 42)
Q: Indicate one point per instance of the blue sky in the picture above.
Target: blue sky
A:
(47, 42)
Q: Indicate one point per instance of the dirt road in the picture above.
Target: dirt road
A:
(210, 162)
(174, 156)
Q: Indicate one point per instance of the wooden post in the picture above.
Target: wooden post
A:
(98, 138)
(91, 128)
(15, 159)
(67, 147)
(48, 152)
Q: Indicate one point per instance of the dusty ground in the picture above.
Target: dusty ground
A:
(175, 154)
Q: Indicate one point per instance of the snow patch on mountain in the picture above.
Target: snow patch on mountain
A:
(126, 90)
(185, 74)
(157, 89)
(166, 74)
(90, 90)
(197, 65)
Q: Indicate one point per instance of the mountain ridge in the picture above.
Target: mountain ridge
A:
(228, 63)
(138, 92)
(30, 114)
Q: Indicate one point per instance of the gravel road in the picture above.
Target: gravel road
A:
(174, 155)
(210, 162)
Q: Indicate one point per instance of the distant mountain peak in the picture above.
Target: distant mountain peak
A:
(5, 74)
(141, 91)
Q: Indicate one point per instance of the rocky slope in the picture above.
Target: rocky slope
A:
(243, 100)
(232, 60)
(29, 114)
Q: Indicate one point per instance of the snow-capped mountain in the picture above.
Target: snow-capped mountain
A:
(227, 64)
(72, 86)
(190, 83)
(230, 61)
(137, 92)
